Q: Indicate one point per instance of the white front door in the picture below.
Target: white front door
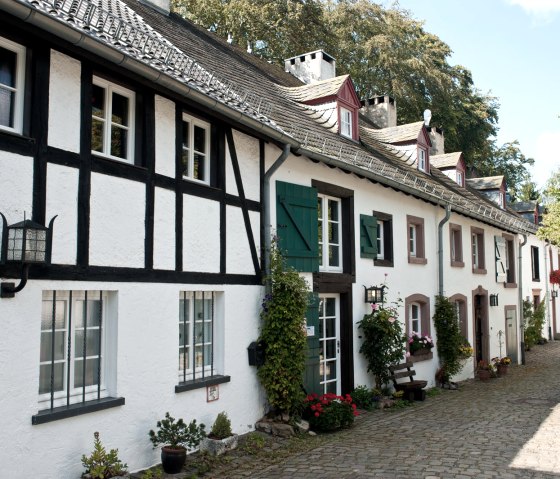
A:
(329, 342)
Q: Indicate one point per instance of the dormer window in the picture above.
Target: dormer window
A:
(422, 160)
(502, 199)
(346, 123)
(460, 178)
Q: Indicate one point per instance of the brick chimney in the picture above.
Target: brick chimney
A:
(311, 67)
(381, 110)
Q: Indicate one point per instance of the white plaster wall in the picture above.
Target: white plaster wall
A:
(117, 222)
(164, 229)
(201, 235)
(238, 257)
(165, 136)
(147, 369)
(64, 98)
(62, 200)
(247, 149)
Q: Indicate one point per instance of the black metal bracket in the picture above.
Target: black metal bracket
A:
(9, 290)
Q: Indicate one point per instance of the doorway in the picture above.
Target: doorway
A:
(329, 343)
(480, 304)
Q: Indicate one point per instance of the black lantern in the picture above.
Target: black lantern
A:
(493, 300)
(374, 294)
(25, 242)
(554, 293)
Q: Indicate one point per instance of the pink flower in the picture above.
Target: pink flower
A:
(407, 354)
(374, 306)
(392, 320)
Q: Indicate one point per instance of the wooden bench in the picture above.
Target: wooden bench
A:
(413, 389)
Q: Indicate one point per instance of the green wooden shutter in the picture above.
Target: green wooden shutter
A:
(297, 225)
(368, 236)
(311, 377)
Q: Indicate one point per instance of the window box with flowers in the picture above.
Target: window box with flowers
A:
(420, 345)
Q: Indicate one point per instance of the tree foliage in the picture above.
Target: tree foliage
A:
(284, 337)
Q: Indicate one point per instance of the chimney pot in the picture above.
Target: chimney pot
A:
(311, 67)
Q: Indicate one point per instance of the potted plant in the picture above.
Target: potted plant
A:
(329, 412)
(221, 437)
(501, 365)
(102, 464)
(175, 438)
(485, 370)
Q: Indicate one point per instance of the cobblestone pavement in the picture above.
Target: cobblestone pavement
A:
(503, 428)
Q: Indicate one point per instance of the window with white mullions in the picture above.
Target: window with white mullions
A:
(329, 344)
(330, 241)
(196, 335)
(112, 132)
(380, 240)
(12, 81)
(412, 240)
(346, 122)
(72, 348)
(195, 149)
(414, 315)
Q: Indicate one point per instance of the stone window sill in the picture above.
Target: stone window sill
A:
(202, 383)
(479, 271)
(457, 264)
(414, 260)
(421, 357)
(63, 412)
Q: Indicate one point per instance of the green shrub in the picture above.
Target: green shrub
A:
(283, 334)
(450, 342)
(534, 322)
(329, 412)
(383, 343)
(363, 398)
(221, 427)
(102, 464)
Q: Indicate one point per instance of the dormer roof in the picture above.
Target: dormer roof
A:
(524, 206)
(324, 91)
(487, 183)
(408, 133)
(447, 160)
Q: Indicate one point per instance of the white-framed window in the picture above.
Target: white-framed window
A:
(412, 238)
(422, 160)
(77, 357)
(475, 251)
(415, 318)
(330, 238)
(380, 239)
(112, 126)
(345, 122)
(501, 199)
(197, 335)
(459, 178)
(195, 149)
(12, 83)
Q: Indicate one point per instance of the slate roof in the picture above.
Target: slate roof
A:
(192, 55)
(524, 206)
(114, 23)
(486, 183)
(320, 89)
(398, 134)
(446, 160)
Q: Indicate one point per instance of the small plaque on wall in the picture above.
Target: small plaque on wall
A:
(212, 393)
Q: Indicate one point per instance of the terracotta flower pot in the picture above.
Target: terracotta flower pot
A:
(484, 374)
(502, 369)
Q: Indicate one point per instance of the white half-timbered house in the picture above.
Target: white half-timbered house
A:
(169, 159)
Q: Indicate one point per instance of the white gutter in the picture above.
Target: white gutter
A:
(440, 247)
(520, 292)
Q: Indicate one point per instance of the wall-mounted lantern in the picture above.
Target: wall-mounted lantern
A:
(493, 300)
(554, 293)
(24, 243)
(374, 294)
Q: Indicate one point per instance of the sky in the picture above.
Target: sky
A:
(512, 48)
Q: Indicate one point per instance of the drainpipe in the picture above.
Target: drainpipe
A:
(266, 199)
(520, 291)
(440, 246)
(547, 297)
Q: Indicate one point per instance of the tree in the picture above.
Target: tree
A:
(449, 339)
(528, 191)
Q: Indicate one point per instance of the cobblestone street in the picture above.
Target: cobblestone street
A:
(503, 428)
